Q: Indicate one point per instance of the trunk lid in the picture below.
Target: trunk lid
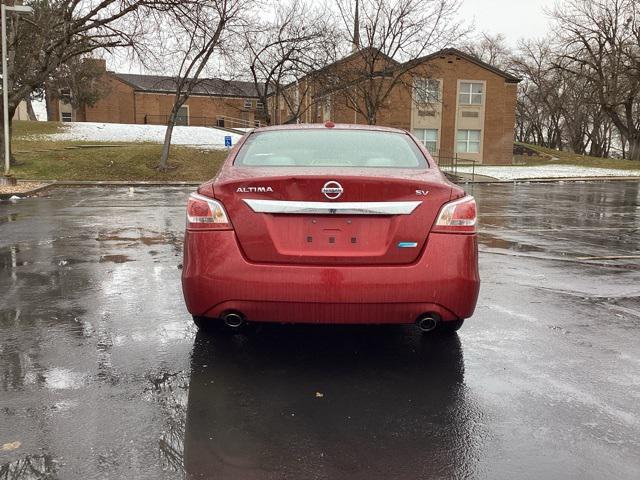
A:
(281, 215)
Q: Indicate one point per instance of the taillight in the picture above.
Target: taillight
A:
(204, 213)
(459, 216)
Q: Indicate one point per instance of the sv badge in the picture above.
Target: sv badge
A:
(422, 192)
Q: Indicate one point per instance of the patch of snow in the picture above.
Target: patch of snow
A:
(548, 171)
(200, 137)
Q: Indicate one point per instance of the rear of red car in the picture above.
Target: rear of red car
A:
(330, 225)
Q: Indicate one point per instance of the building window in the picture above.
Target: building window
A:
(426, 90)
(468, 141)
(429, 137)
(259, 105)
(248, 103)
(65, 95)
(66, 116)
(471, 93)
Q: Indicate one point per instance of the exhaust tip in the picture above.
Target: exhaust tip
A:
(233, 319)
(427, 322)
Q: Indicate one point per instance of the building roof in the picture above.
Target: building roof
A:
(509, 78)
(471, 58)
(215, 87)
(355, 54)
(363, 52)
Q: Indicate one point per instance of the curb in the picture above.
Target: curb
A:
(126, 183)
(7, 196)
(50, 184)
(123, 183)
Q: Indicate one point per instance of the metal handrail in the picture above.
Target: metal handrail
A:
(200, 121)
(450, 164)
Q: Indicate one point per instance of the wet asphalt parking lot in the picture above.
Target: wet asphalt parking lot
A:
(103, 376)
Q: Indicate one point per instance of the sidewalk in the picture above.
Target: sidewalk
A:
(468, 178)
(550, 172)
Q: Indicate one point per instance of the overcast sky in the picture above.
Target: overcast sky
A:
(514, 18)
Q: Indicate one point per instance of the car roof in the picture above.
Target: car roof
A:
(337, 126)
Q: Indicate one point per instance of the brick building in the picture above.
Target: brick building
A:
(456, 104)
(129, 98)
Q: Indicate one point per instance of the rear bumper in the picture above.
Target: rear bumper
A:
(216, 277)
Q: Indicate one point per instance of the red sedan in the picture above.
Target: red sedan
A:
(330, 224)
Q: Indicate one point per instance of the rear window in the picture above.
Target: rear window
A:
(330, 148)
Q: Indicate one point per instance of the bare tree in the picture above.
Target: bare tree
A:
(540, 96)
(557, 108)
(298, 41)
(600, 42)
(193, 31)
(389, 39)
(82, 76)
(491, 49)
(60, 30)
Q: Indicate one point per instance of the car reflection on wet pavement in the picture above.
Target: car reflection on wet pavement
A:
(331, 401)
(103, 376)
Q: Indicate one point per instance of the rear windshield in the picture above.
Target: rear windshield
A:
(330, 148)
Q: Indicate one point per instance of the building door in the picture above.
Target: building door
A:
(326, 109)
(183, 116)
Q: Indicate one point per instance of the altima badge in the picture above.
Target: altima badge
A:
(254, 189)
(332, 190)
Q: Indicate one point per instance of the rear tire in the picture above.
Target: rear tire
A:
(450, 327)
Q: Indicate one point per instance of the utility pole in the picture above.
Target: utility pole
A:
(5, 86)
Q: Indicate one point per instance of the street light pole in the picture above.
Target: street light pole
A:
(5, 78)
(5, 91)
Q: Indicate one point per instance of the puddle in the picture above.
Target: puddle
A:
(9, 258)
(135, 236)
(67, 262)
(63, 379)
(490, 241)
(146, 240)
(170, 391)
(31, 467)
(64, 405)
(12, 217)
(115, 259)
(9, 316)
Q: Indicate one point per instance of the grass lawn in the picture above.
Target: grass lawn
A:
(569, 158)
(39, 158)
(42, 159)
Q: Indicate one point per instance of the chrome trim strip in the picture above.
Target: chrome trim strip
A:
(331, 208)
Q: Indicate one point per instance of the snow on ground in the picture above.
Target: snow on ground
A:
(200, 137)
(548, 171)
